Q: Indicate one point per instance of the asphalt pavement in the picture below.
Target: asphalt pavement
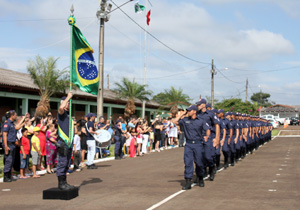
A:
(268, 179)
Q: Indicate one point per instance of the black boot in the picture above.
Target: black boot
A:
(62, 183)
(218, 160)
(201, 181)
(7, 177)
(211, 173)
(188, 184)
(232, 159)
(196, 180)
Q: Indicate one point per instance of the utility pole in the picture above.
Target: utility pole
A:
(246, 89)
(107, 81)
(103, 15)
(213, 72)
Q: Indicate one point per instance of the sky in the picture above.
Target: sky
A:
(254, 39)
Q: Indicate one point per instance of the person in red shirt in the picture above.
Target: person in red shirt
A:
(24, 153)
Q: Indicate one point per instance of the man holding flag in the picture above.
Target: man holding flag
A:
(65, 142)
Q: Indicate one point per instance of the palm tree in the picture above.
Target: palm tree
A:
(172, 97)
(131, 90)
(49, 80)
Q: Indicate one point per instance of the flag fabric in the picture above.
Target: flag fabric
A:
(84, 70)
(139, 8)
(148, 17)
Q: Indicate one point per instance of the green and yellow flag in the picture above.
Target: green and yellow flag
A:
(84, 71)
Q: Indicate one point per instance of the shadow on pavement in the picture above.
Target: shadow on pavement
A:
(90, 181)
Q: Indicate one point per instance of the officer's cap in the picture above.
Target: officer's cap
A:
(201, 101)
(192, 107)
(214, 111)
(208, 105)
(221, 111)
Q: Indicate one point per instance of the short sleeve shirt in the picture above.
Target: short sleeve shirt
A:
(9, 127)
(89, 135)
(193, 128)
(35, 140)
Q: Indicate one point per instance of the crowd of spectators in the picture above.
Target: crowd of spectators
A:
(135, 137)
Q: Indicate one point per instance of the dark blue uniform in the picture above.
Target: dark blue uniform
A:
(118, 142)
(193, 150)
(9, 128)
(209, 151)
(64, 151)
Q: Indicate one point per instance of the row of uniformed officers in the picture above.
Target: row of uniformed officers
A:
(208, 132)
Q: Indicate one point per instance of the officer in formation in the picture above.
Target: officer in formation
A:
(235, 134)
(193, 127)
(64, 142)
(9, 136)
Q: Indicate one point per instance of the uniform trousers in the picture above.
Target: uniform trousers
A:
(209, 152)
(10, 157)
(63, 159)
(193, 153)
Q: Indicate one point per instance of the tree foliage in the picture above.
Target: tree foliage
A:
(262, 99)
(171, 95)
(237, 105)
(131, 90)
(49, 80)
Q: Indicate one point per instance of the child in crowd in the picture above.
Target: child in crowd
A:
(133, 142)
(77, 152)
(24, 153)
(51, 151)
(35, 151)
(151, 140)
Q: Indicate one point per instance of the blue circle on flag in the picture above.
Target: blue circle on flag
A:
(86, 66)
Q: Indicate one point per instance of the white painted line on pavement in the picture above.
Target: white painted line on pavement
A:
(177, 193)
(278, 174)
(280, 169)
(272, 190)
(6, 190)
(274, 180)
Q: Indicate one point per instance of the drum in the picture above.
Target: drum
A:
(102, 136)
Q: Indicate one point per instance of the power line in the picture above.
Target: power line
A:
(227, 77)
(178, 53)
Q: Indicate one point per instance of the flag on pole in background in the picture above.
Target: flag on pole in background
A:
(84, 71)
(138, 8)
(148, 17)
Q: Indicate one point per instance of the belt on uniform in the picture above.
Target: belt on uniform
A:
(10, 143)
(194, 142)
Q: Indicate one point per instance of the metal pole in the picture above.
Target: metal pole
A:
(212, 83)
(145, 64)
(107, 81)
(246, 89)
(71, 72)
(100, 69)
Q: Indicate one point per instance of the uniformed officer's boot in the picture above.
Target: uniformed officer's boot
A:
(211, 173)
(196, 180)
(62, 183)
(201, 181)
(188, 184)
(7, 177)
(71, 187)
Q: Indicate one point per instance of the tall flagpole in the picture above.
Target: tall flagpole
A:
(71, 68)
(145, 62)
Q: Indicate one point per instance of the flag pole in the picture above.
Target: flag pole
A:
(71, 21)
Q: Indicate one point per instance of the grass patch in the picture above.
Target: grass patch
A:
(275, 132)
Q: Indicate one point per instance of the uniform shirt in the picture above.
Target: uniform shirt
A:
(229, 126)
(100, 125)
(35, 140)
(222, 126)
(63, 122)
(235, 126)
(89, 135)
(118, 131)
(9, 127)
(193, 128)
(210, 118)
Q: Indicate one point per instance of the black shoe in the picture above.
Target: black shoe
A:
(93, 166)
(201, 182)
(7, 177)
(62, 183)
(196, 182)
(117, 158)
(211, 173)
(188, 185)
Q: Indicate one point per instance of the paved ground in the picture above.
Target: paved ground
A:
(268, 179)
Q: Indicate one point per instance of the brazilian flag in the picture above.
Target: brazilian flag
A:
(84, 71)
